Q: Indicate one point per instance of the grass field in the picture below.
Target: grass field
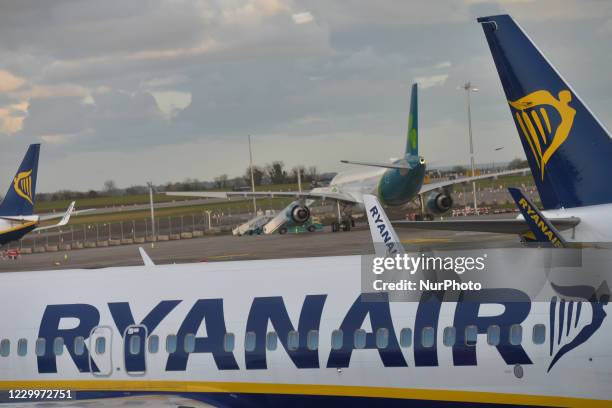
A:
(226, 207)
(125, 200)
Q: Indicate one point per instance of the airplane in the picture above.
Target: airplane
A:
(567, 147)
(292, 332)
(17, 216)
(395, 184)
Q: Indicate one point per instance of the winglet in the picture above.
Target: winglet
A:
(62, 222)
(384, 238)
(540, 226)
(146, 259)
(67, 215)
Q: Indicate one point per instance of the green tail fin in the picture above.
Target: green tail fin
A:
(412, 142)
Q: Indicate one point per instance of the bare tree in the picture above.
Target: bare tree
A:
(294, 173)
(258, 174)
(221, 181)
(110, 187)
(276, 172)
(312, 174)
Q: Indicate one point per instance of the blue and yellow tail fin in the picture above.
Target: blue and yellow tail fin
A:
(19, 199)
(412, 142)
(568, 149)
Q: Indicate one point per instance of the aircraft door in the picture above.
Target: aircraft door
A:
(134, 342)
(100, 353)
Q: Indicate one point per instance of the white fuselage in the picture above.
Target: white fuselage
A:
(355, 183)
(595, 223)
(218, 299)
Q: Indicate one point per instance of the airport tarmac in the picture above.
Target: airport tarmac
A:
(227, 247)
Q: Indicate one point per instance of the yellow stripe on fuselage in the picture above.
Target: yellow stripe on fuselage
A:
(18, 227)
(307, 389)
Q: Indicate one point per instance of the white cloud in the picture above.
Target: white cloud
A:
(302, 18)
(9, 82)
(170, 102)
(444, 64)
(431, 81)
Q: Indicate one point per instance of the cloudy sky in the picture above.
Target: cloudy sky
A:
(163, 90)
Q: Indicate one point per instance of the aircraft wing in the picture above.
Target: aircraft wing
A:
(434, 186)
(507, 226)
(63, 221)
(383, 165)
(269, 194)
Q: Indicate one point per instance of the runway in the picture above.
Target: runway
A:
(227, 247)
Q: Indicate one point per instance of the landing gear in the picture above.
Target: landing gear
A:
(283, 230)
(311, 228)
(345, 219)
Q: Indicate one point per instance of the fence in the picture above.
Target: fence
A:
(127, 232)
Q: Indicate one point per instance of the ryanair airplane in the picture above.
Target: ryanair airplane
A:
(17, 216)
(220, 334)
(395, 183)
(568, 149)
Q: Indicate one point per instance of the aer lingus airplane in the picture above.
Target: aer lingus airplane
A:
(395, 183)
(16, 210)
(293, 332)
(569, 150)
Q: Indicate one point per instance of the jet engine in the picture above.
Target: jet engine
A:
(439, 203)
(299, 214)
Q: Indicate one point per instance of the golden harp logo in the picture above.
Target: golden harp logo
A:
(533, 114)
(23, 185)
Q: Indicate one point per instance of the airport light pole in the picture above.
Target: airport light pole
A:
(150, 184)
(468, 88)
(252, 178)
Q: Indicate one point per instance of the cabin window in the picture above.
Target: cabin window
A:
(493, 335)
(40, 347)
(448, 336)
(359, 339)
(312, 340)
(406, 337)
(382, 338)
(189, 343)
(228, 342)
(471, 335)
(79, 345)
(153, 344)
(22, 347)
(427, 337)
(271, 341)
(135, 344)
(516, 334)
(5, 347)
(58, 346)
(249, 341)
(539, 334)
(171, 343)
(100, 345)
(293, 340)
(336, 340)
